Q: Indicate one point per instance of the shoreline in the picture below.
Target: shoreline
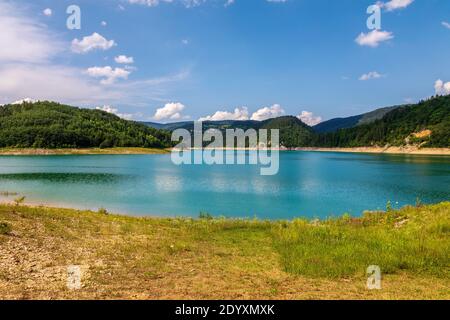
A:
(82, 151)
(383, 150)
(144, 151)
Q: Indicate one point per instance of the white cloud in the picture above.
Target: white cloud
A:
(24, 39)
(309, 118)
(154, 3)
(238, 114)
(171, 111)
(92, 42)
(103, 23)
(268, 112)
(26, 100)
(373, 38)
(229, 3)
(446, 24)
(370, 75)
(395, 4)
(122, 59)
(46, 82)
(47, 12)
(126, 116)
(442, 88)
(108, 74)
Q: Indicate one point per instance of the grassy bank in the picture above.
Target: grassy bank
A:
(144, 258)
(29, 151)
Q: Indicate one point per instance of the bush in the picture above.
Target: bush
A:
(5, 228)
(103, 211)
(205, 216)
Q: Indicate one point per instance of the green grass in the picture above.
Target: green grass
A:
(415, 240)
(210, 258)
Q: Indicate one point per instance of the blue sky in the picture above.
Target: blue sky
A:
(206, 59)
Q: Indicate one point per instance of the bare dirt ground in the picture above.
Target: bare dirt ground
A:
(132, 258)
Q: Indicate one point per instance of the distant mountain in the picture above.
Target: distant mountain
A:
(221, 125)
(426, 124)
(293, 132)
(46, 124)
(350, 122)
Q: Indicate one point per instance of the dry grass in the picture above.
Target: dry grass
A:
(136, 258)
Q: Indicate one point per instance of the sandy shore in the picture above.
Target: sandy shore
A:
(389, 150)
(92, 151)
(95, 151)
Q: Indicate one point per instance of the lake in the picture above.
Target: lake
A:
(309, 184)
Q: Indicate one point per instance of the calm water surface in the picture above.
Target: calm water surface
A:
(308, 184)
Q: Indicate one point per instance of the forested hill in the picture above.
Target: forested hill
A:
(350, 122)
(52, 125)
(426, 124)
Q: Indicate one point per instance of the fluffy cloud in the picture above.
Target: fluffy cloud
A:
(92, 42)
(26, 100)
(268, 112)
(371, 75)
(109, 109)
(108, 74)
(171, 111)
(309, 118)
(124, 59)
(442, 88)
(395, 4)
(188, 3)
(229, 3)
(154, 3)
(446, 24)
(47, 12)
(373, 38)
(238, 114)
(24, 39)
(27, 69)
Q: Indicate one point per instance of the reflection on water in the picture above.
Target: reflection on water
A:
(308, 184)
(66, 177)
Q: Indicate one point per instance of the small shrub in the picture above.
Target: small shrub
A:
(19, 201)
(5, 228)
(205, 216)
(388, 206)
(103, 211)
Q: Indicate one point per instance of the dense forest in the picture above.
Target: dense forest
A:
(293, 132)
(52, 125)
(425, 124)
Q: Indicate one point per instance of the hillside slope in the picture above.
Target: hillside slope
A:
(293, 132)
(426, 124)
(350, 122)
(52, 125)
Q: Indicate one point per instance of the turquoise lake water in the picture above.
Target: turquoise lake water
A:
(308, 184)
